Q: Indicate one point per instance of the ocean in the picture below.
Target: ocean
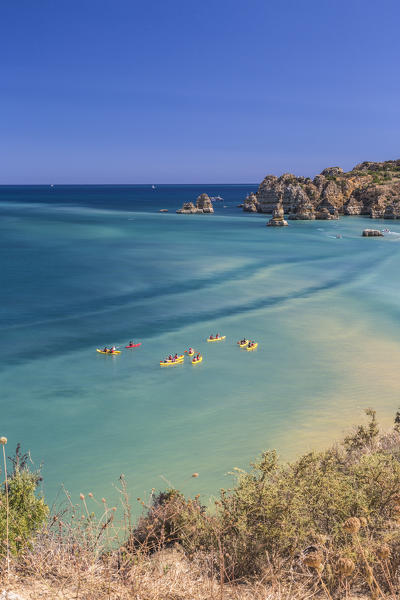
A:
(82, 267)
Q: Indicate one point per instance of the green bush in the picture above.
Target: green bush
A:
(27, 512)
(279, 510)
(170, 519)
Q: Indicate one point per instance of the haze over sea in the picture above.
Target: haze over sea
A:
(87, 266)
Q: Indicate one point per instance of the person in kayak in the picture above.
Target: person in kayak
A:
(176, 357)
(190, 350)
(170, 357)
(211, 337)
(105, 349)
(198, 357)
(113, 349)
(131, 343)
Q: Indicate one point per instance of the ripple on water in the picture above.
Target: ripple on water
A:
(325, 314)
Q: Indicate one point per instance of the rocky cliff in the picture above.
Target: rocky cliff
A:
(371, 188)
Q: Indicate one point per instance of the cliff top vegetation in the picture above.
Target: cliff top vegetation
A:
(326, 524)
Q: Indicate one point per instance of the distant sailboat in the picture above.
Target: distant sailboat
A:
(153, 187)
(52, 185)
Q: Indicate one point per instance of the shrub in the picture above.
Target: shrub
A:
(27, 512)
(279, 511)
(170, 519)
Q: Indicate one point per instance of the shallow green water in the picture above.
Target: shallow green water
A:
(80, 275)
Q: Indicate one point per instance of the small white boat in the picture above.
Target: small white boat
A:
(153, 187)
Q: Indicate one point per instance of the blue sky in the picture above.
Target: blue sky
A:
(182, 91)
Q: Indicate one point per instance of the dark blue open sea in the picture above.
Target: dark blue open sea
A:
(86, 266)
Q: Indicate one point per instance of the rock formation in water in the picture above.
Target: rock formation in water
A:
(203, 205)
(250, 204)
(188, 208)
(277, 217)
(372, 233)
(371, 188)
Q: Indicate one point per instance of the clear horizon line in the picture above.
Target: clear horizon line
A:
(125, 184)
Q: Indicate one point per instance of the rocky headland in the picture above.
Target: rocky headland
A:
(370, 188)
(203, 205)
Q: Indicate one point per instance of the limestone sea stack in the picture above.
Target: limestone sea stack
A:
(277, 217)
(188, 208)
(203, 206)
(251, 204)
(370, 188)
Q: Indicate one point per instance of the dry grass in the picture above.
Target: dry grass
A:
(78, 557)
(295, 532)
(168, 575)
(81, 560)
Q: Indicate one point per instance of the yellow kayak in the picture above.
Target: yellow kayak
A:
(218, 339)
(253, 347)
(180, 357)
(109, 351)
(244, 344)
(196, 361)
(170, 363)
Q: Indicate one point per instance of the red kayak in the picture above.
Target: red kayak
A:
(134, 345)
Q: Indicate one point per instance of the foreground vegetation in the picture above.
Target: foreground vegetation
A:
(326, 525)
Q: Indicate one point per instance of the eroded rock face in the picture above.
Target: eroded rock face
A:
(332, 171)
(353, 207)
(371, 189)
(250, 203)
(277, 217)
(269, 194)
(203, 205)
(392, 211)
(188, 208)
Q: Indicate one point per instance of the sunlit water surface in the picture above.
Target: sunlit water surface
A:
(84, 267)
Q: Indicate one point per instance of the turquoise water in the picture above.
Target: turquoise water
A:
(84, 267)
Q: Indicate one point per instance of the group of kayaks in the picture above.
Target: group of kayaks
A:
(197, 357)
(114, 350)
(248, 344)
(179, 359)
